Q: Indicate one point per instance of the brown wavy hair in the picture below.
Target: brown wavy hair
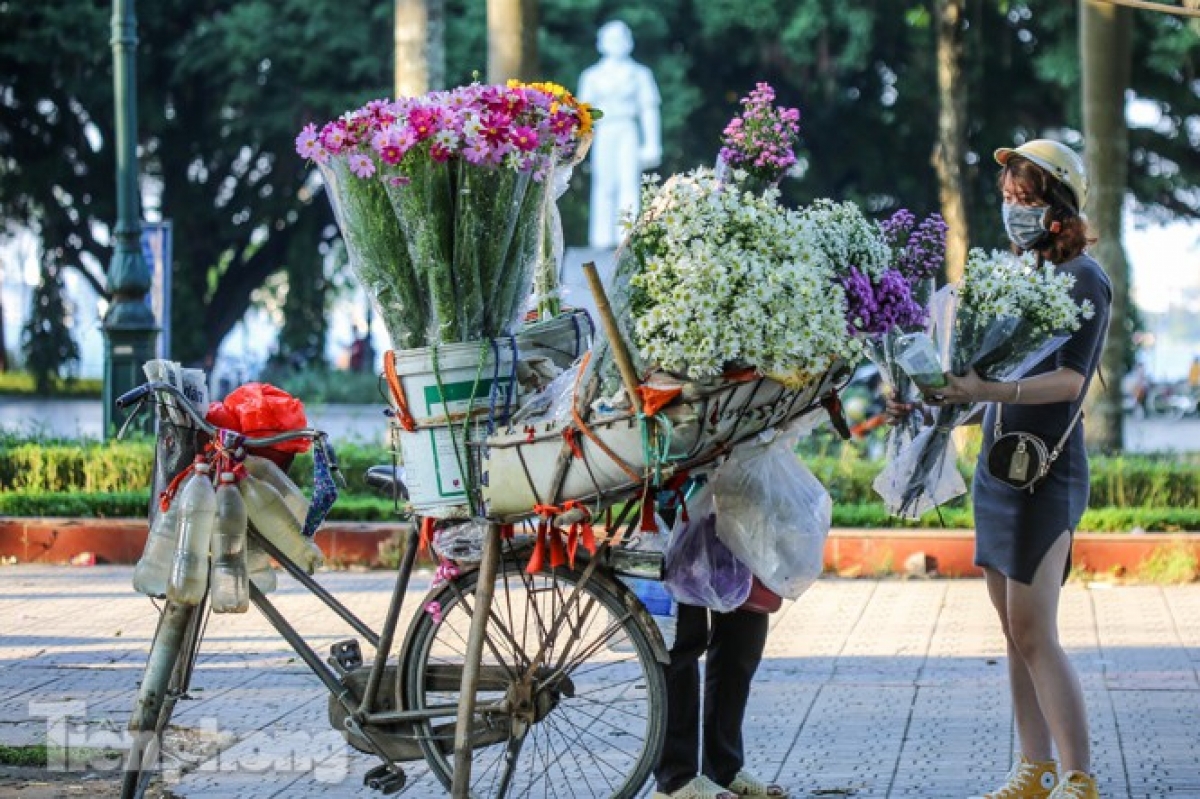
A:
(1073, 235)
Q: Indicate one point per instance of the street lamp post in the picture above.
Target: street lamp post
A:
(129, 328)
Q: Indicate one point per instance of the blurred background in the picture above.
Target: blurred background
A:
(902, 103)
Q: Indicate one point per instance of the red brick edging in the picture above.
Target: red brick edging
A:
(849, 552)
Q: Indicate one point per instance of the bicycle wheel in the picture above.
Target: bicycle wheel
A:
(166, 678)
(588, 723)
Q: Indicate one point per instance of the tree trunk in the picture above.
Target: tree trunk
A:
(512, 40)
(1105, 50)
(420, 41)
(949, 154)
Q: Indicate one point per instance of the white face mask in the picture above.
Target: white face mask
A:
(1025, 224)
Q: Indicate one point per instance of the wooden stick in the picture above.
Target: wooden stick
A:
(620, 353)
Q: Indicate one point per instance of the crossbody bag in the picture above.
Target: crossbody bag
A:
(1021, 460)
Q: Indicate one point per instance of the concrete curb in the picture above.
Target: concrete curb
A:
(849, 551)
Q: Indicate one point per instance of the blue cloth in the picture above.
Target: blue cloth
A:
(325, 491)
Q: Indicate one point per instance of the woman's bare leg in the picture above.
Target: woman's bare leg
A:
(1032, 730)
(1033, 628)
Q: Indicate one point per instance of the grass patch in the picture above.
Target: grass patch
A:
(23, 756)
(40, 756)
(1170, 564)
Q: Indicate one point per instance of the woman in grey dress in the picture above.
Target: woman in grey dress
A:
(1023, 538)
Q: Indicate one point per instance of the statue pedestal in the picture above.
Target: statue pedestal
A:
(574, 285)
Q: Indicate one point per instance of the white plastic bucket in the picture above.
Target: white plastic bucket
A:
(436, 453)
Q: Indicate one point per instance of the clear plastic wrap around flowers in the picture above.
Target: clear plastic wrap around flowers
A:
(700, 570)
(881, 350)
(773, 514)
(378, 251)
(547, 291)
(1001, 320)
(443, 201)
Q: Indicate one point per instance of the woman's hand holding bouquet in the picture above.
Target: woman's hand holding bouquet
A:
(1000, 321)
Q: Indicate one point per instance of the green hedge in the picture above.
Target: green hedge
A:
(126, 465)
(21, 384)
(1120, 485)
(359, 508)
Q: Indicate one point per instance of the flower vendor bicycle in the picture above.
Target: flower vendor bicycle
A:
(562, 686)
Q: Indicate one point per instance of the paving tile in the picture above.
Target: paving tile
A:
(877, 688)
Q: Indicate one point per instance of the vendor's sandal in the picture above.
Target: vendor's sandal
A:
(746, 784)
(699, 788)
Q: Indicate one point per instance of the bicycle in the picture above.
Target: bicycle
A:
(496, 702)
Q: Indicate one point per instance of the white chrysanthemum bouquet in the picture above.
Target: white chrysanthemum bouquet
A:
(720, 278)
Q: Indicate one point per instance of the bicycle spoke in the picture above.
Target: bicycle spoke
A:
(598, 715)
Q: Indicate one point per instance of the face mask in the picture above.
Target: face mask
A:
(1025, 224)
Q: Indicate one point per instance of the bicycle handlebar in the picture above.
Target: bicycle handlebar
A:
(140, 393)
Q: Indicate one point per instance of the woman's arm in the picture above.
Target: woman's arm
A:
(1064, 384)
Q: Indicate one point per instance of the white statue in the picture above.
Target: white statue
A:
(628, 137)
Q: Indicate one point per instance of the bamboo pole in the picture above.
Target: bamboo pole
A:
(620, 353)
(484, 588)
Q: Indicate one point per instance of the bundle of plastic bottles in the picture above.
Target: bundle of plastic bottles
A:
(199, 541)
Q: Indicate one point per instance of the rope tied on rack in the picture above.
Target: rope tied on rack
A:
(545, 538)
(580, 531)
(582, 427)
(404, 416)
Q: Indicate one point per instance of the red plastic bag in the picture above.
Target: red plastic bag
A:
(258, 410)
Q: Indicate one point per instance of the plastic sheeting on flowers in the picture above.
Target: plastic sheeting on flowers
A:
(933, 458)
(969, 334)
(700, 569)
(773, 514)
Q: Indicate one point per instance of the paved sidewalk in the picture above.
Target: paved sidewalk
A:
(869, 688)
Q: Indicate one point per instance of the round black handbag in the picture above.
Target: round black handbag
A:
(1020, 460)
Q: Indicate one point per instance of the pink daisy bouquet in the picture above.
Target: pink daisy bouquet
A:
(761, 141)
(443, 200)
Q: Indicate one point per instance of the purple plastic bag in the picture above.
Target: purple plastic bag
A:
(700, 570)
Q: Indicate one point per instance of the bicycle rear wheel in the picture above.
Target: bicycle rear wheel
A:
(166, 678)
(588, 723)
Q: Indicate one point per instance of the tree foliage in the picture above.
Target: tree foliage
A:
(46, 336)
(224, 86)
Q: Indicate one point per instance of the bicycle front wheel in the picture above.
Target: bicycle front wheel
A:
(587, 722)
(166, 678)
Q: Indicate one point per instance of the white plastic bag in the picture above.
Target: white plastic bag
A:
(700, 569)
(773, 514)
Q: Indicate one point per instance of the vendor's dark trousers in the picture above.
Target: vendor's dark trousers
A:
(734, 645)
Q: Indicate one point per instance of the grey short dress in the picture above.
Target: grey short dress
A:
(1014, 529)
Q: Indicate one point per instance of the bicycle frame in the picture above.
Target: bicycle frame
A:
(362, 717)
(365, 717)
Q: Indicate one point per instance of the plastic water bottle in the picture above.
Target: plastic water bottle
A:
(154, 568)
(271, 517)
(197, 516)
(258, 563)
(230, 583)
(266, 470)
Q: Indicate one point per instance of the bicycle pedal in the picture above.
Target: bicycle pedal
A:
(385, 780)
(346, 655)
